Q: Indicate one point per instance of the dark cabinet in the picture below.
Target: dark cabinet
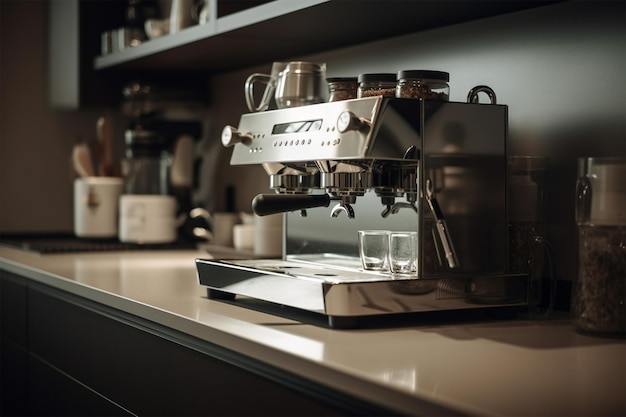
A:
(84, 358)
(246, 33)
(74, 28)
(13, 345)
(238, 34)
(53, 392)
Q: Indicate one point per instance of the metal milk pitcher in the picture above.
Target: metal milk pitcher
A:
(291, 84)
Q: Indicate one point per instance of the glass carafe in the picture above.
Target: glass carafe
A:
(147, 163)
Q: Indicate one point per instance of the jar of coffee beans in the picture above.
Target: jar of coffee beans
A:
(380, 84)
(430, 85)
(341, 88)
(599, 289)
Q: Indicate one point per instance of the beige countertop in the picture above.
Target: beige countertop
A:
(516, 367)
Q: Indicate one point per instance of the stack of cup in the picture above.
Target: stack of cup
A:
(268, 239)
(261, 234)
(223, 226)
(148, 218)
(244, 233)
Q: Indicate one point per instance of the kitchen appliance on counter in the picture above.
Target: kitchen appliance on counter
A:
(435, 167)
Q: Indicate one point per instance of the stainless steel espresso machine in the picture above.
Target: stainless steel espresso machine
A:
(435, 167)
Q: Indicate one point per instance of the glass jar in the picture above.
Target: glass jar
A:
(599, 290)
(526, 202)
(146, 167)
(430, 85)
(342, 88)
(380, 84)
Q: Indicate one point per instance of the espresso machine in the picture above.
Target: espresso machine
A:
(435, 167)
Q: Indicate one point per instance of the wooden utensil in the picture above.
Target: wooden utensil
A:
(104, 131)
(81, 160)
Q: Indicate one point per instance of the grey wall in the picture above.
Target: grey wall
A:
(559, 68)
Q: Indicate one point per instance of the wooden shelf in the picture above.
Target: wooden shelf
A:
(282, 29)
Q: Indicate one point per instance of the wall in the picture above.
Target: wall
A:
(559, 68)
(35, 140)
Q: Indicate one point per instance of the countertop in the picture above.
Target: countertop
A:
(485, 367)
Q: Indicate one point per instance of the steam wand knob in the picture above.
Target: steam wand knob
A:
(350, 121)
(232, 136)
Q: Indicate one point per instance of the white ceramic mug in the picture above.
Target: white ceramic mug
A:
(148, 218)
(268, 239)
(223, 224)
(96, 206)
(243, 236)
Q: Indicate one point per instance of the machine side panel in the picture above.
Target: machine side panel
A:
(464, 156)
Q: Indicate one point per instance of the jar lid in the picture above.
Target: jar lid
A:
(341, 80)
(424, 74)
(377, 77)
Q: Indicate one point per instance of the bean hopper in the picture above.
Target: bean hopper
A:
(435, 167)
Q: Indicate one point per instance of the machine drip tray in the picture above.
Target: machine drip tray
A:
(424, 318)
(344, 298)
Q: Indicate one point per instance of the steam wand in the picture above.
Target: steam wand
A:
(395, 208)
(442, 227)
(342, 207)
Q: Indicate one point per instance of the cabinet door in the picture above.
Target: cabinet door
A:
(13, 308)
(74, 32)
(152, 370)
(13, 348)
(52, 392)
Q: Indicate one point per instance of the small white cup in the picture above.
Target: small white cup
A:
(243, 236)
(374, 249)
(223, 224)
(148, 218)
(96, 206)
(268, 241)
(403, 252)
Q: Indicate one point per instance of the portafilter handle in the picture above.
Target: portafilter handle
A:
(266, 204)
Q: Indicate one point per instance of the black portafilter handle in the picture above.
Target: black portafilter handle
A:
(266, 204)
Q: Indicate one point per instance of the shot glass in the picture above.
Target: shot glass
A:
(373, 249)
(403, 252)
